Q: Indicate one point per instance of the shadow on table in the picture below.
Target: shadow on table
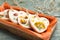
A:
(6, 35)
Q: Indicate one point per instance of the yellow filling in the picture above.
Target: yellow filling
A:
(39, 25)
(26, 17)
(23, 21)
(33, 16)
(32, 20)
(20, 17)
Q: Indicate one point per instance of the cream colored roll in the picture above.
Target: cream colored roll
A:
(39, 24)
(23, 19)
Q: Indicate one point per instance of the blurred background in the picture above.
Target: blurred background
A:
(49, 7)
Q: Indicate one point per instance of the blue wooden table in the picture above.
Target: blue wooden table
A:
(5, 35)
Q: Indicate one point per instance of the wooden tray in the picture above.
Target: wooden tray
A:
(27, 33)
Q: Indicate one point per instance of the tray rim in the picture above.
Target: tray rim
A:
(53, 22)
